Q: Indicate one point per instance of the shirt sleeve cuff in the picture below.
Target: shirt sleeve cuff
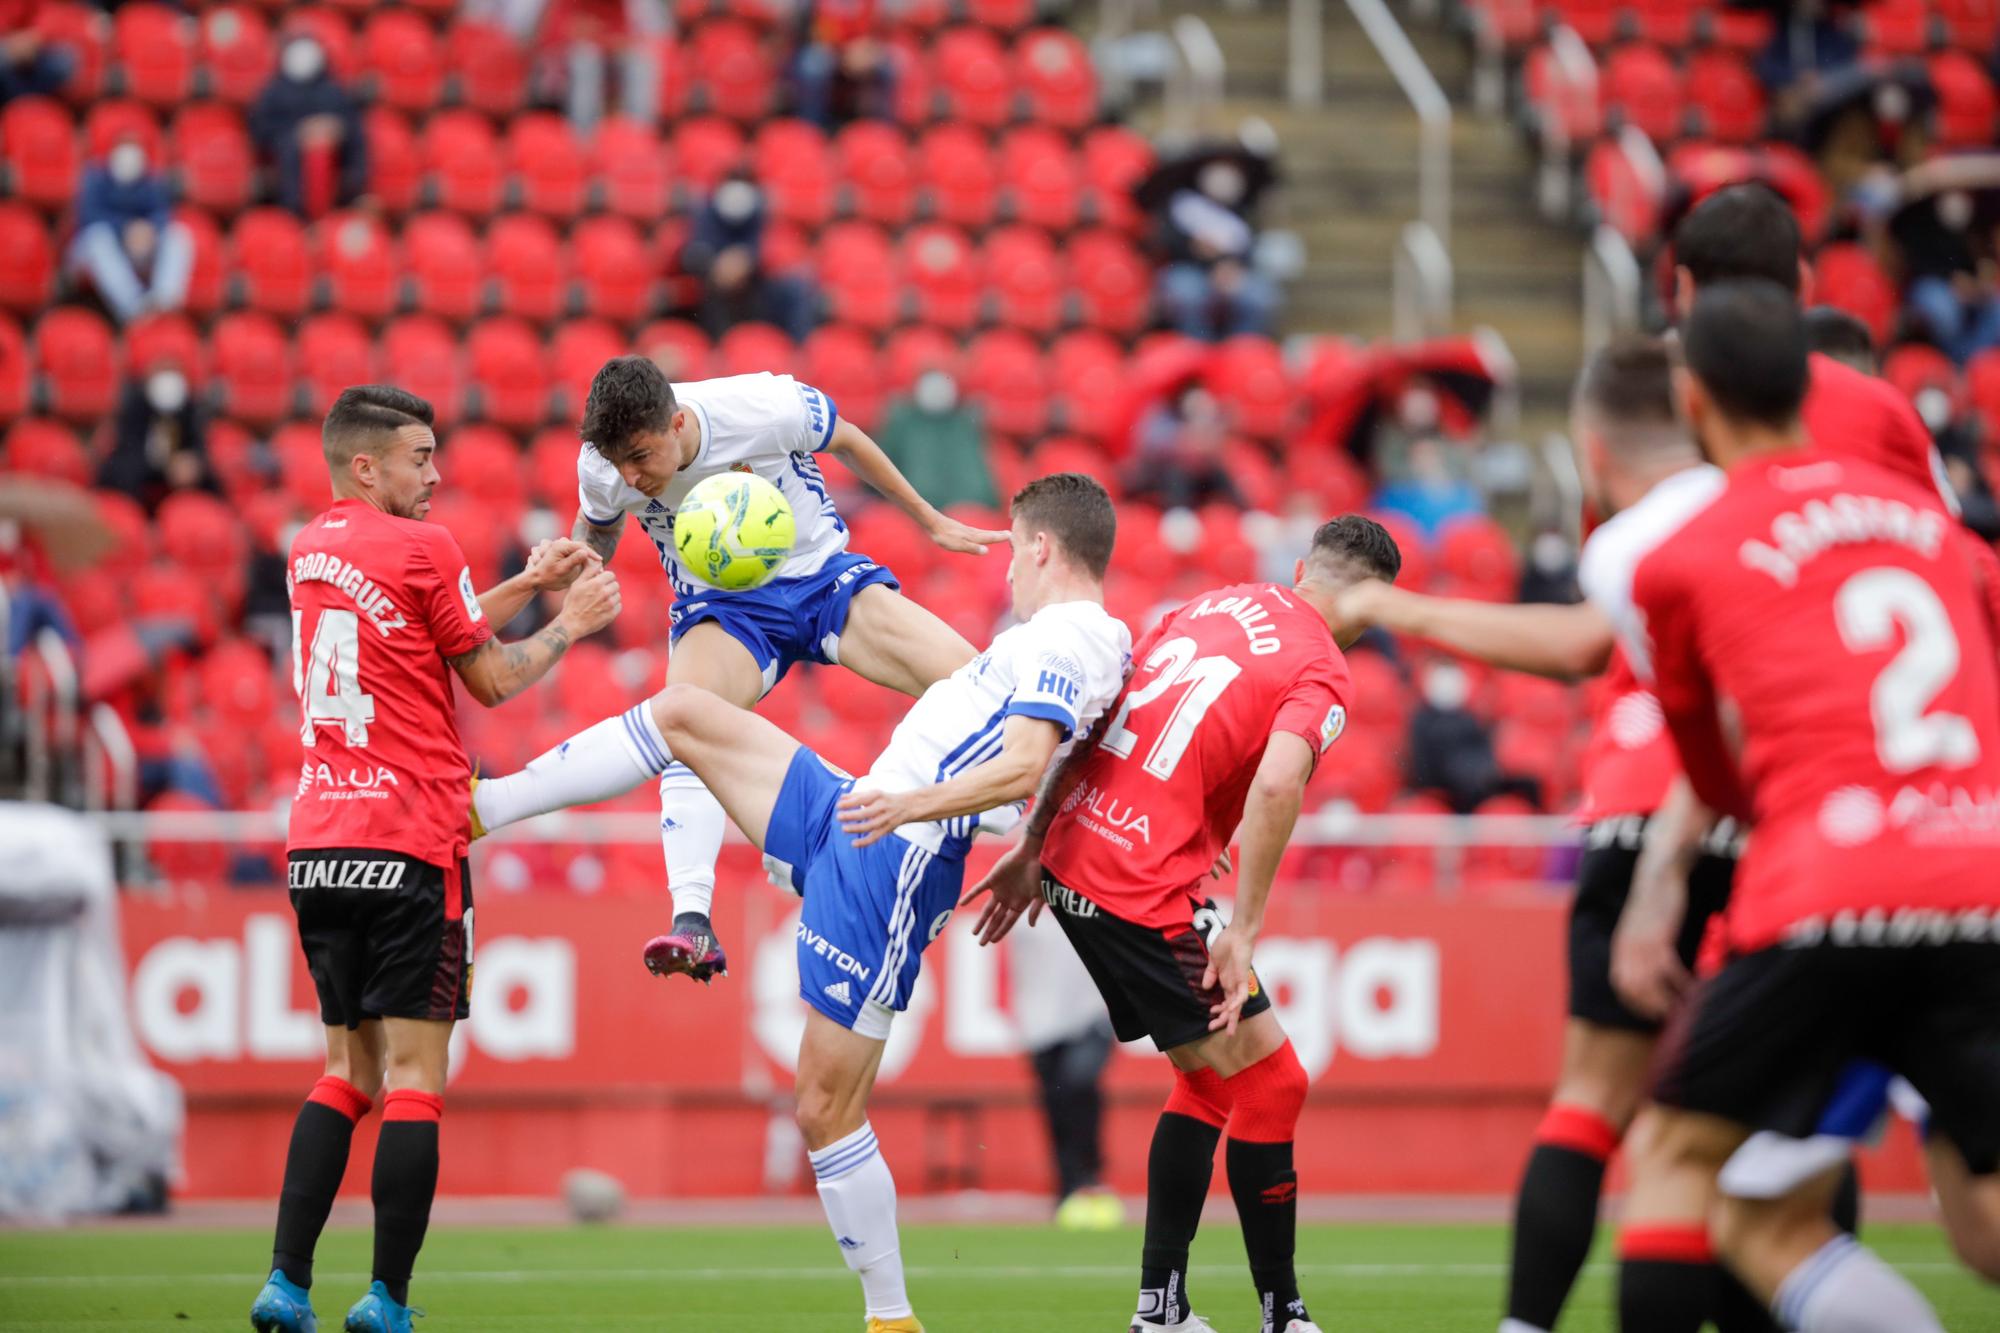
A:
(1047, 712)
(597, 522)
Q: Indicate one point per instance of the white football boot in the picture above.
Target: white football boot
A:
(1302, 1326)
(1194, 1323)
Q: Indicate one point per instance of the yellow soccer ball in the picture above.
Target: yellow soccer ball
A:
(734, 530)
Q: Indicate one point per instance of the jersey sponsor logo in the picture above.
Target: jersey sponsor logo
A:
(1251, 615)
(353, 784)
(1329, 730)
(369, 598)
(1062, 687)
(832, 952)
(1067, 900)
(839, 992)
(346, 872)
(1096, 809)
(1937, 815)
(1636, 720)
(819, 411)
(938, 924)
(1902, 928)
(471, 598)
(1798, 536)
(1850, 816)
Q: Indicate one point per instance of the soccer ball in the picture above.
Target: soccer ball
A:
(734, 530)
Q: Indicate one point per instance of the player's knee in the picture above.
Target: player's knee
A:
(822, 1114)
(1269, 1096)
(678, 707)
(1976, 1241)
(1732, 1227)
(1199, 1094)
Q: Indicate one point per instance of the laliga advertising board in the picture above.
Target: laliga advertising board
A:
(1436, 1022)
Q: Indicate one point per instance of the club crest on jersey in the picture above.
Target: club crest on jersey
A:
(471, 598)
(1329, 730)
(742, 467)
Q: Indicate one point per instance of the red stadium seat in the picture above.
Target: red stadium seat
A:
(792, 160)
(1914, 367)
(550, 166)
(1846, 275)
(1089, 382)
(857, 268)
(217, 163)
(445, 266)
(463, 159)
(488, 66)
(876, 163)
(1001, 15)
(972, 75)
(153, 47)
(482, 540)
(1596, 21)
(726, 61)
(40, 147)
(361, 263)
(234, 455)
(525, 258)
(1970, 25)
(165, 339)
(333, 31)
(1966, 106)
(1115, 159)
(207, 284)
(46, 449)
(1898, 27)
(1053, 68)
(960, 175)
(1113, 283)
(269, 255)
(395, 161)
(840, 361)
(630, 163)
(27, 259)
(706, 148)
(400, 53)
(1028, 278)
(77, 359)
(15, 376)
(1670, 23)
(195, 864)
(1248, 375)
(1256, 477)
(1640, 85)
(237, 53)
(252, 366)
(681, 348)
(1478, 556)
(95, 601)
(239, 685)
(578, 350)
(1005, 372)
(943, 270)
(1044, 178)
(201, 534)
(302, 465)
(912, 351)
(1982, 388)
(108, 123)
(749, 348)
(552, 469)
(86, 31)
(1725, 96)
(509, 370)
(334, 352)
(484, 464)
(614, 268)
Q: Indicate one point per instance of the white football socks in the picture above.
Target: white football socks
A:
(859, 1196)
(691, 823)
(597, 764)
(1844, 1288)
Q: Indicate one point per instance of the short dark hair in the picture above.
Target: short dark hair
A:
(1076, 511)
(629, 396)
(367, 416)
(1740, 231)
(1746, 342)
(1357, 547)
(1629, 382)
(1834, 332)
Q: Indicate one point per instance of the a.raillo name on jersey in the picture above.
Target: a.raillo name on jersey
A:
(1250, 614)
(369, 599)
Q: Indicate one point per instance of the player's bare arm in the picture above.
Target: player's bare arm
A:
(552, 566)
(1567, 642)
(495, 672)
(602, 538)
(1645, 964)
(1015, 879)
(1269, 814)
(853, 446)
(1026, 746)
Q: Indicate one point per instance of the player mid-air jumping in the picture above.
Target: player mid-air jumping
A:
(647, 443)
(1233, 698)
(382, 605)
(879, 860)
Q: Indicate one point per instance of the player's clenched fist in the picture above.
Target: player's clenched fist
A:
(558, 562)
(593, 602)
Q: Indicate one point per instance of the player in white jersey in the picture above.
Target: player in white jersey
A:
(879, 860)
(647, 443)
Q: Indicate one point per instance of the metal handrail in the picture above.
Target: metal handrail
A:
(111, 767)
(47, 694)
(1575, 69)
(1412, 75)
(1611, 287)
(1560, 459)
(1420, 285)
(1194, 91)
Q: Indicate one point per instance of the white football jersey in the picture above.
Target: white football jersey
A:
(1612, 553)
(771, 425)
(1066, 664)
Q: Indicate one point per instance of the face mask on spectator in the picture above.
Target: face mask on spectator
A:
(1222, 182)
(167, 391)
(936, 392)
(127, 163)
(735, 200)
(1934, 406)
(1446, 687)
(1549, 553)
(303, 60)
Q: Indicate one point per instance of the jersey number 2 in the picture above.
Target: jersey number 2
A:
(1868, 608)
(1176, 664)
(329, 678)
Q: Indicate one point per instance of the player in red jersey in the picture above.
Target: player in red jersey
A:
(383, 613)
(1824, 649)
(1231, 701)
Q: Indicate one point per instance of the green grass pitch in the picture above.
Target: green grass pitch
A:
(963, 1279)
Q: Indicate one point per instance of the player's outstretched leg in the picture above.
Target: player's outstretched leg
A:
(1178, 1170)
(314, 1164)
(598, 763)
(406, 1170)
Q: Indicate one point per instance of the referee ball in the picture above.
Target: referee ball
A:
(734, 530)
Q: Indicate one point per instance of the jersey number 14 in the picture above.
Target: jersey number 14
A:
(328, 679)
(1176, 664)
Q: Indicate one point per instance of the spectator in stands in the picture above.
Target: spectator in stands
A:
(1451, 751)
(309, 126)
(1949, 274)
(841, 70)
(1177, 461)
(159, 439)
(726, 253)
(938, 441)
(1209, 288)
(1422, 485)
(29, 65)
(590, 36)
(1550, 575)
(137, 257)
(1069, 1040)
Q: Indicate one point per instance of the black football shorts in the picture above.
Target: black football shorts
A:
(385, 935)
(1603, 882)
(1150, 977)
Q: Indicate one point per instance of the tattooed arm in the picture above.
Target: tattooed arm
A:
(495, 672)
(603, 540)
